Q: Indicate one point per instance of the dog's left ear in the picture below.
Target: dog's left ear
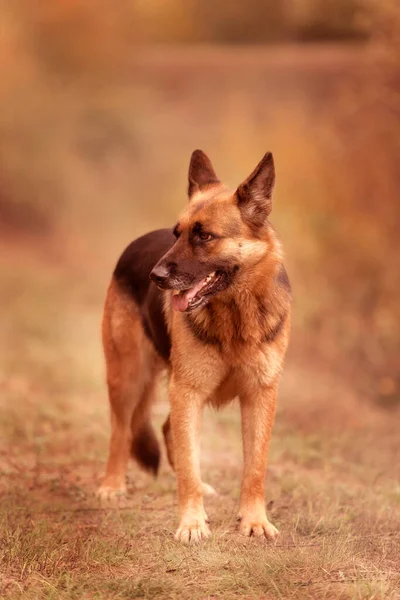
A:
(255, 194)
(201, 172)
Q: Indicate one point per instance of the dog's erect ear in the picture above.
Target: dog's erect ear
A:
(201, 172)
(255, 194)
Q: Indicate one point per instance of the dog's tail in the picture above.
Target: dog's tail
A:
(145, 448)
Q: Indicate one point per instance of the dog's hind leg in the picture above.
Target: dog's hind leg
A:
(123, 398)
(131, 367)
(132, 433)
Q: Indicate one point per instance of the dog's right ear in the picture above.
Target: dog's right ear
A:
(201, 172)
(255, 194)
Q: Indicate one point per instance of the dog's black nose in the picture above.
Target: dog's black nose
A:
(160, 275)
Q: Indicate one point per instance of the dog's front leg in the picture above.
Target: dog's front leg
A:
(258, 411)
(186, 409)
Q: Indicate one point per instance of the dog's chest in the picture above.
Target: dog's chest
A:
(238, 327)
(258, 368)
(253, 372)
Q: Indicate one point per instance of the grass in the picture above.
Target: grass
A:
(332, 487)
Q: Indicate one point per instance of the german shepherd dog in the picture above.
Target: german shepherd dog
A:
(209, 301)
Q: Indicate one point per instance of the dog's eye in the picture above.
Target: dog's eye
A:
(205, 237)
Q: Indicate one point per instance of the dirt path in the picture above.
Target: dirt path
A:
(332, 490)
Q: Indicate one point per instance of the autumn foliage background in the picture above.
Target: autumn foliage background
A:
(101, 104)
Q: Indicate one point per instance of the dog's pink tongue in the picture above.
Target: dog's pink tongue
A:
(181, 301)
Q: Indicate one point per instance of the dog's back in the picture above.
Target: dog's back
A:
(132, 276)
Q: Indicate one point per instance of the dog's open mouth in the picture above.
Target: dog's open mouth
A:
(195, 296)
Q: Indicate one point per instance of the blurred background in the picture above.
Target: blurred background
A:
(101, 105)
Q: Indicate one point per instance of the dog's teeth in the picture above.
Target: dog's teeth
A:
(209, 277)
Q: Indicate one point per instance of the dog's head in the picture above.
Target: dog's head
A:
(220, 236)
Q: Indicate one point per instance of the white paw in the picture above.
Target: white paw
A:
(208, 489)
(257, 526)
(192, 530)
(107, 493)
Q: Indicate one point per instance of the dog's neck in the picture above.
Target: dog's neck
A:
(247, 314)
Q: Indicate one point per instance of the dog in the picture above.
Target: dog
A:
(208, 301)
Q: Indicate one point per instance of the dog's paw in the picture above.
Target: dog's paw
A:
(108, 493)
(257, 526)
(208, 489)
(192, 530)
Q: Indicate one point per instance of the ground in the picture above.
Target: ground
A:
(332, 487)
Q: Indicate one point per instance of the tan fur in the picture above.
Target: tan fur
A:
(246, 365)
(132, 369)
